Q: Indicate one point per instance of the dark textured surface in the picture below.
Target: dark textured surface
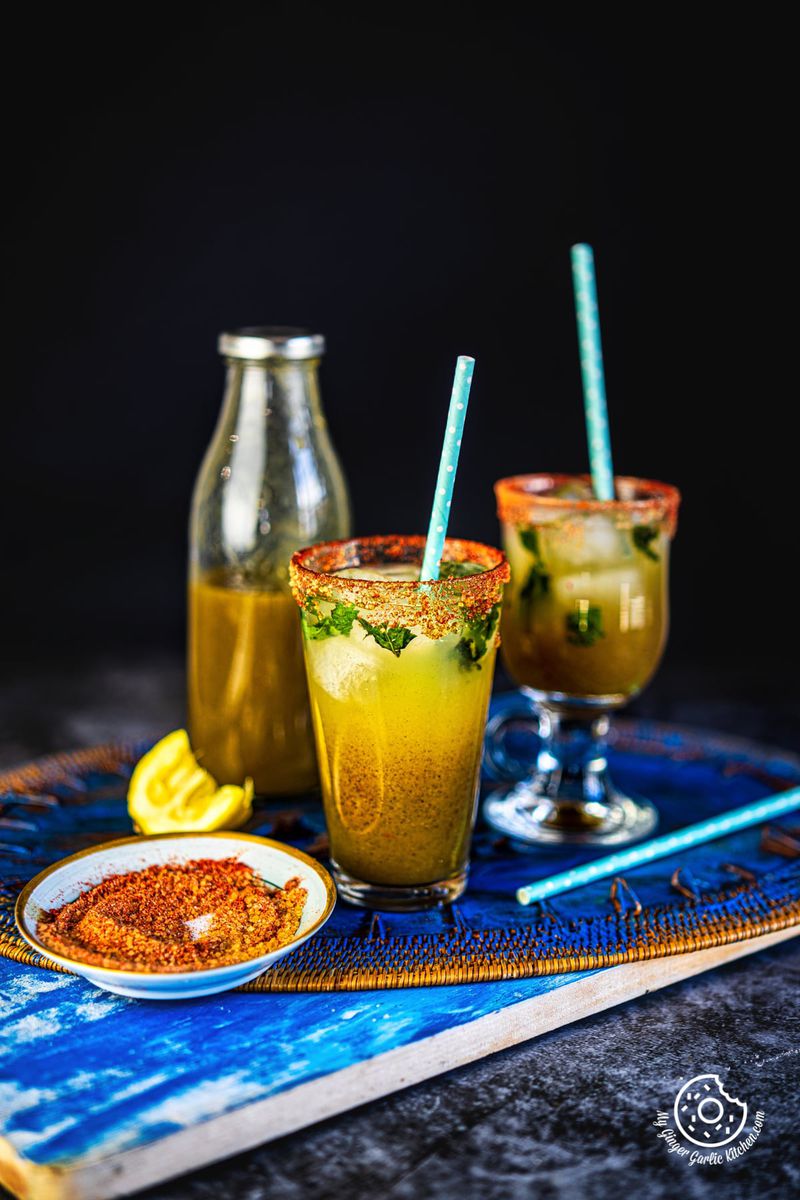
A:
(569, 1114)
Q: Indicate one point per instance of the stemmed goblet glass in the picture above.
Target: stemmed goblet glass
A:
(583, 629)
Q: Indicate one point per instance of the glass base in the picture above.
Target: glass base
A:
(528, 814)
(393, 898)
(569, 798)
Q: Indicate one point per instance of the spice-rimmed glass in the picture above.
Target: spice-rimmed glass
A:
(584, 626)
(399, 675)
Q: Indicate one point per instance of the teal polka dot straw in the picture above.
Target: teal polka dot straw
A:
(440, 514)
(592, 374)
(659, 847)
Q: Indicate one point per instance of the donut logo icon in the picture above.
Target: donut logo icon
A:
(706, 1115)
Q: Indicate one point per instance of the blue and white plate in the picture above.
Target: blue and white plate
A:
(66, 880)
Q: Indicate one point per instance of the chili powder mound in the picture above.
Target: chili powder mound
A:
(176, 917)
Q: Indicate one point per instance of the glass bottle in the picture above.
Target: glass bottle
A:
(270, 483)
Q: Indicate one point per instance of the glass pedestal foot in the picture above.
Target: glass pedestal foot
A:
(529, 815)
(570, 798)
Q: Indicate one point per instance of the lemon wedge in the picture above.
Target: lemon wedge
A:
(170, 792)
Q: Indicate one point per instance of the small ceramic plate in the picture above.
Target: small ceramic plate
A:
(65, 881)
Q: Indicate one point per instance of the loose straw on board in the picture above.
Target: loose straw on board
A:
(660, 847)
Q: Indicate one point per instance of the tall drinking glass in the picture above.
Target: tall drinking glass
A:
(584, 626)
(399, 675)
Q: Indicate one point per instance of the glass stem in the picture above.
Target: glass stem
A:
(572, 766)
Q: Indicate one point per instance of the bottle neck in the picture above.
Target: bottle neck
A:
(278, 392)
(264, 450)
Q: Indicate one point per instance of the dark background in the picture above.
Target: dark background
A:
(410, 187)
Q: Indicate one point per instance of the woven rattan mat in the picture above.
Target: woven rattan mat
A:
(734, 889)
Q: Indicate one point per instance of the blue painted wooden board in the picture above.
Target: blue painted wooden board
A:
(83, 1069)
(101, 1095)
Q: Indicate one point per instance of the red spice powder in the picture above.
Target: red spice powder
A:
(176, 917)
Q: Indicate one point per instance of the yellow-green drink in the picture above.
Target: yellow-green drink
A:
(399, 675)
(585, 614)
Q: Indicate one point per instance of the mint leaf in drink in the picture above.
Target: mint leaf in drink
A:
(339, 623)
(457, 570)
(311, 621)
(339, 620)
(642, 536)
(390, 637)
(538, 582)
(530, 540)
(476, 637)
(342, 617)
(585, 627)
